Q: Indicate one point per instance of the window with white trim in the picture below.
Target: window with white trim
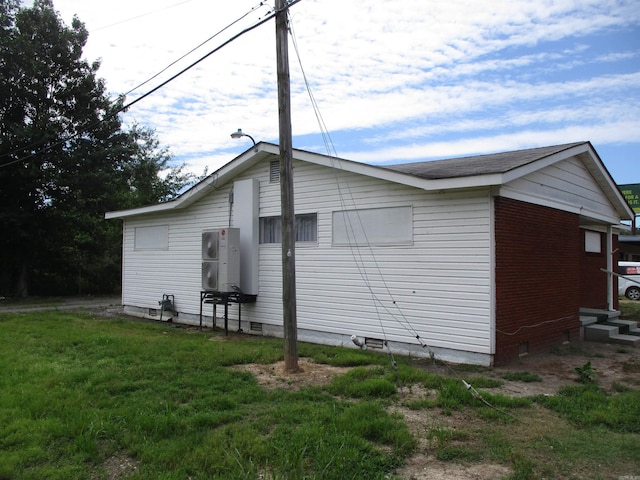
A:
(373, 226)
(306, 228)
(151, 238)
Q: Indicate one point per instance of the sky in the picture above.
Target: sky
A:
(392, 82)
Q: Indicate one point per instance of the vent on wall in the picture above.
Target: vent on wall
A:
(255, 327)
(274, 172)
(374, 342)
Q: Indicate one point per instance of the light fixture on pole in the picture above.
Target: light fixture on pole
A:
(240, 134)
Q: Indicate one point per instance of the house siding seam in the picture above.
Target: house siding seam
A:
(537, 274)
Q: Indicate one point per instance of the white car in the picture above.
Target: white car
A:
(629, 283)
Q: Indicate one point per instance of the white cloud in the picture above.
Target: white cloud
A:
(456, 76)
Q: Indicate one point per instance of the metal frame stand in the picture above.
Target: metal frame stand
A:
(224, 298)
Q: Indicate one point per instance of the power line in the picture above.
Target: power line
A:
(130, 104)
(195, 48)
(140, 16)
(359, 259)
(224, 44)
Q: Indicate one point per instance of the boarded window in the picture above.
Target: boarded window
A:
(373, 226)
(592, 242)
(306, 228)
(152, 238)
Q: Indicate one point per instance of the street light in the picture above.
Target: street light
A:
(240, 134)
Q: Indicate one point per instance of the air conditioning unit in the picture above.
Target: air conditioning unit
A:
(221, 260)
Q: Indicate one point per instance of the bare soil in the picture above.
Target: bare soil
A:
(614, 365)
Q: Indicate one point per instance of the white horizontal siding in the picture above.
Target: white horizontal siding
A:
(440, 284)
(177, 271)
(566, 185)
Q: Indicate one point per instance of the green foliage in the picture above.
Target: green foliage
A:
(523, 469)
(526, 377)
(588, 405)
(76, 391)
(363, 382)
(483, 382)
(344, 358)
(630, 309)
(586, 373)
(65, 160)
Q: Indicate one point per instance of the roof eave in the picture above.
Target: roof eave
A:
(211, 182)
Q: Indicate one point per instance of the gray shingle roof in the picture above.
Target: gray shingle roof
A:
(479, 165)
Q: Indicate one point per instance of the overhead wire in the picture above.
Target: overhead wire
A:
(195, 48)
(123, 108)
(358, 256)
(120, 22)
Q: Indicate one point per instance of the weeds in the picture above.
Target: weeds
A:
(77, 391)
(588, 406)
(526, 377)
(586, 373)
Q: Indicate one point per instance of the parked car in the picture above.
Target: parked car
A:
(629, 283)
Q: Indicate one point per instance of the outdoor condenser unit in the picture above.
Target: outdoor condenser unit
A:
(221, 260)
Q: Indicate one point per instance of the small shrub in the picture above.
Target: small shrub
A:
(586, 373)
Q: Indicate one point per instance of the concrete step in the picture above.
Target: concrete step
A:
(622, 339)
(587, 320)
(627, 327)
(602, 315)
(600, 332)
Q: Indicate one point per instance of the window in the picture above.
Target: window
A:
(152, 238)
(373, 226)
(592, 242)
(306, 228)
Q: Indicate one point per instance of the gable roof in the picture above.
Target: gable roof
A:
(467, 172)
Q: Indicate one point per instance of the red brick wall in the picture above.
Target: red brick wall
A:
(538, 252)
(593, 282)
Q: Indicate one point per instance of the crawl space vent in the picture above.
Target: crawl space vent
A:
(255, 327)
(374, 343)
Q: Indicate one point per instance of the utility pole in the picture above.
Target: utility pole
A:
(289, 319)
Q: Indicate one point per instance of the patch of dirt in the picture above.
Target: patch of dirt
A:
(119, 467)
(274, 376)
(614, 366)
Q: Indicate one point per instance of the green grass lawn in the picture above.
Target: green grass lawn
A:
(90, 397)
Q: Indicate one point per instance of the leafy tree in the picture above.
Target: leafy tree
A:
(65, 159)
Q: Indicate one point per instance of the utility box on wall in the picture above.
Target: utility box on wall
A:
(221, 260)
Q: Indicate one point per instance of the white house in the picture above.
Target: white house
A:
(480, 258)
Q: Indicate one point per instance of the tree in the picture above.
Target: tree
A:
(65, 159)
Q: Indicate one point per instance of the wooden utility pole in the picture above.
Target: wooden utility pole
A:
(289, 319)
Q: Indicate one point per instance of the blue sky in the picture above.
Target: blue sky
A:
(393, 81)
